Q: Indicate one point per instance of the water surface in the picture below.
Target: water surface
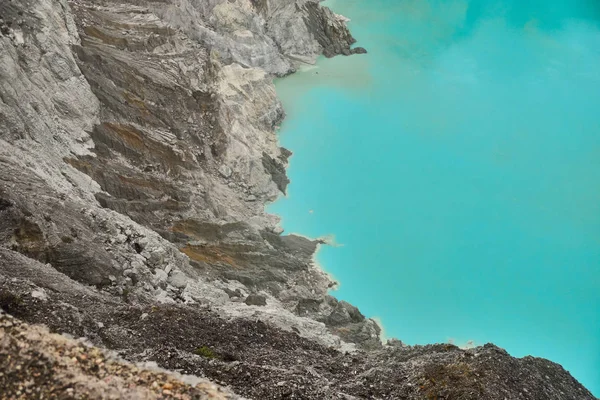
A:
(458, 167)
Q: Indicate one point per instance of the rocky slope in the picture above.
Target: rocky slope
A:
(137, 151)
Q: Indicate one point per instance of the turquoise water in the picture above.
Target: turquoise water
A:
(457, 166)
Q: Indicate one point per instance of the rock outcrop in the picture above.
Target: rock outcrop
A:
(137, 151)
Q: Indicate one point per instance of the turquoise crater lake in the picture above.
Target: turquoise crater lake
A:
(457, 166)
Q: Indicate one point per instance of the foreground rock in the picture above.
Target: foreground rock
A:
(38, 364)
(137, 151)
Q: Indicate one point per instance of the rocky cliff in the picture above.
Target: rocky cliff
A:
(137, 151)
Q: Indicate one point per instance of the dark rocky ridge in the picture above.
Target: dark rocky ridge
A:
(137, 150)
(259, 361)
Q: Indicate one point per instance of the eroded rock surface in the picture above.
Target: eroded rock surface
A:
(137, 151)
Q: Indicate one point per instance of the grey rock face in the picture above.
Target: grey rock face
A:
(256, 300)
(133, 155)
(137, 151)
